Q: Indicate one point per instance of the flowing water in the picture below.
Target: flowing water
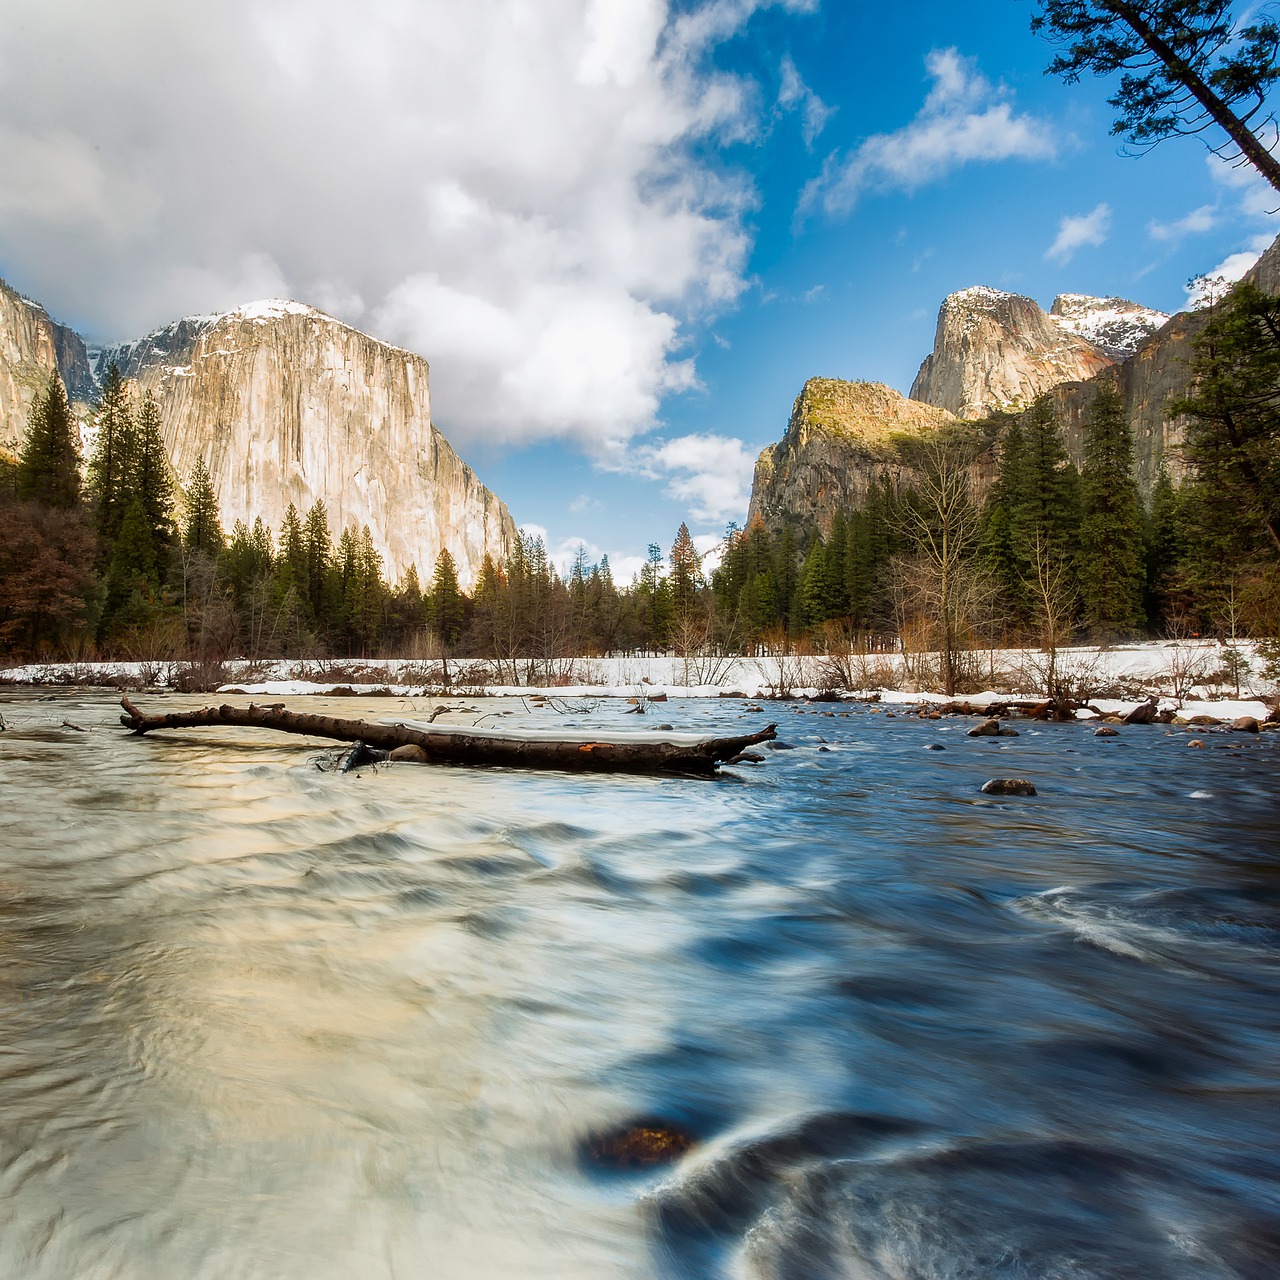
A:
(263, 1020)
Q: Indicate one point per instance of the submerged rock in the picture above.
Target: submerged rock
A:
(639, 1144)
(1009, 787)
(1105, 732)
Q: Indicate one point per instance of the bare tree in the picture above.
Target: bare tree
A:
(944, 584)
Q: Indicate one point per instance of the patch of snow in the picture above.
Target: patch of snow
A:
(1114, 325)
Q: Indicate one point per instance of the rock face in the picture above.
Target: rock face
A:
(286, 404)
(995, 350)
(31, 346)
(1115, 326)
(1149, 380)
(839, 439)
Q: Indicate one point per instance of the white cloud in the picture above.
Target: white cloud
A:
(519, 192)
(1230, 269)
(965, 119)
(1196, 222)
(711, 473)
(1254, 196)
(795, 95)
(1074, 232)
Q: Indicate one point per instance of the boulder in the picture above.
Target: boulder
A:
(1245, 724)
(1195, 742)
(1204, 720)
(1009, 787)
(987, 729)
(1105, 732)
(1143, 714)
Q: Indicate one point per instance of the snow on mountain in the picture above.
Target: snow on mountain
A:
(1114, 325)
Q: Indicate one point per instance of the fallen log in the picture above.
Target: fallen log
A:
(462, 746)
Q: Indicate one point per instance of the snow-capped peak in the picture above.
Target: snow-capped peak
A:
(262, 310)
(1114, 325)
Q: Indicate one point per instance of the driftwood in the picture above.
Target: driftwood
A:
(461, 747)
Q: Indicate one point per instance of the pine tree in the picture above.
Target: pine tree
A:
(686, 573)
(132, 576)
(322, 597)
(1110, 543)
(1233, 438)
(152, 480)
(447, 605)
(111, 468)
(1162, 547)
(49, 466)
(202, 530)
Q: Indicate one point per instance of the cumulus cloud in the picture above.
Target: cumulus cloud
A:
(1200, 220)
(519, 192)
(1076, 231)
(711, 473)
(965, 119)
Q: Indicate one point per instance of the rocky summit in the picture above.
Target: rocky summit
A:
(840, 437)
(1115, 326)
(286, 404)
(998, 351)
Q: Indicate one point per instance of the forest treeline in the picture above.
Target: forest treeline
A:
(111, 559)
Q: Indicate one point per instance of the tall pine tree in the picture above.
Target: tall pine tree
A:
(1110, 560)
(49, 467)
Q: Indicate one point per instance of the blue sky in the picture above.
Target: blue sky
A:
(623, 233)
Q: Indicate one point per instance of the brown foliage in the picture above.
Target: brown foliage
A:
(46, 576)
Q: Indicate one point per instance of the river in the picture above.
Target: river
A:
(263, 1020)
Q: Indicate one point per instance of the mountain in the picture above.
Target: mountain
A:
(840, 438)
(1148, 381)
(1115, 326)
(995, 350)
(31, 345)
(286, 404)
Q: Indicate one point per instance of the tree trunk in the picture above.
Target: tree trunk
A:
(1251, 146)
(467, 748)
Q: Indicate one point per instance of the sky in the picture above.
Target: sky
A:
(622, 232)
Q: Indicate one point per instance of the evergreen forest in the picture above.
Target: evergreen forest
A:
(994, 538)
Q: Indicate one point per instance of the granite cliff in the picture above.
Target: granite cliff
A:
(31, 346)
(286, 404)
(1157, 373)
(840, 438)
(995, 350)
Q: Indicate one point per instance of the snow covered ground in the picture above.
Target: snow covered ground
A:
(1189, 676)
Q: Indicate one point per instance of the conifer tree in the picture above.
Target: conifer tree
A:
(202, 529)
(1110, 542)
(291, 555)
(111, 468)
(686, 573)
(1233, 437)
(447, 605)
(323, 596)
(152, 480)
(49, 466)
(132, 576)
